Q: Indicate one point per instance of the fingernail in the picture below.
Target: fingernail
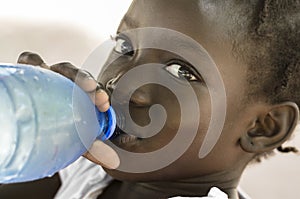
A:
(101, 98)
(103, 107)
(100, 90)
(106, 155)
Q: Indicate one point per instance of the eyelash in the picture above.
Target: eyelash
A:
(119, 48)
(187, 72)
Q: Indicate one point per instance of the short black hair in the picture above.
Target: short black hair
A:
(265, 37)
(274, 62)
(273, 56)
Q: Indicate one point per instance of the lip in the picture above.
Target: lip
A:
(126, 139)
(122, 138)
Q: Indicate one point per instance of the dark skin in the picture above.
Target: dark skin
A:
(250, 128)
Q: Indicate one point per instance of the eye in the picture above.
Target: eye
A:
(182, 71)
(123, 46)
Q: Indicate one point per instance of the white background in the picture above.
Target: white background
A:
(60, 30)
(65, 30)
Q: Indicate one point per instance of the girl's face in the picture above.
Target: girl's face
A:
(201, 23)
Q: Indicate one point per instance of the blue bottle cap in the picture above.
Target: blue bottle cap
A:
(111, 124)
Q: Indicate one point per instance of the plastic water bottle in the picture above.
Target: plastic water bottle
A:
(46, 123)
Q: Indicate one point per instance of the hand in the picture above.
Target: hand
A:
(99, 152)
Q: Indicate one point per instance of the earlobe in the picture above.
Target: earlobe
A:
(272, 128)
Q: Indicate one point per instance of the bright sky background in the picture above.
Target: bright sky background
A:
(91, 14)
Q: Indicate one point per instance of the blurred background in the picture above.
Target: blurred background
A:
(68, 30)
(59, 30)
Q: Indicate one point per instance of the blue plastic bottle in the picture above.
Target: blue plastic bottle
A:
(46, 123)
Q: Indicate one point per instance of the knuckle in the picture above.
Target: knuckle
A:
(30, 58)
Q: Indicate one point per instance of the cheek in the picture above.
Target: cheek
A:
(190, 160)
(225, 152)
(205, 114)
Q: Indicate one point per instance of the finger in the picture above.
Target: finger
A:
(86, 81)
(82, 78)
(102, 100)
(31, 59)
(104, 107)
(66, 69)
(102, 154)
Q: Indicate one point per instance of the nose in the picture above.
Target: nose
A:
(111, 84)
(141, 97)
(144, 96)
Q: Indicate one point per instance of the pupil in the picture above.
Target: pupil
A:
(184, 73)
(125, 48)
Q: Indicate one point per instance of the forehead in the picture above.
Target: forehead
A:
(204, 21)
(194, 18)
(161, 12)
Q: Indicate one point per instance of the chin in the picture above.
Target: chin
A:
(169, 173)
(132, 177)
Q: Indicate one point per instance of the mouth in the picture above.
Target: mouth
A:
(121, 138)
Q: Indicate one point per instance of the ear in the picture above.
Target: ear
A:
(271, 129)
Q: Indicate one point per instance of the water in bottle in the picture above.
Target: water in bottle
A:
(46, 123)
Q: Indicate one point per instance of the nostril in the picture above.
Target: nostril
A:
(111, 84)
(140, 98)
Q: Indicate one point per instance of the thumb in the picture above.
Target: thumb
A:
(102, 154)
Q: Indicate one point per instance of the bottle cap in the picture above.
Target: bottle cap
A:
(111, 124)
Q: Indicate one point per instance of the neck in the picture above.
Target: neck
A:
(227, 181)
